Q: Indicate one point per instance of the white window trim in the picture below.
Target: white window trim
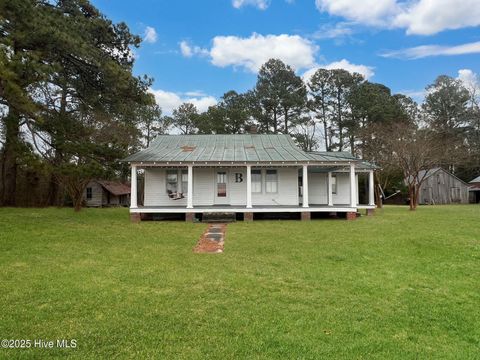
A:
(261, 181)
(334, 184)
(277, 181)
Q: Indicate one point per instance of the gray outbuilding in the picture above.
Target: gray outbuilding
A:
(442, 187)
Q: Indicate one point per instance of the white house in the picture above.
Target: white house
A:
(245, 175)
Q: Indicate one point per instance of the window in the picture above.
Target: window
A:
(172, 182)
(89, 193)
(185, 182)
(256, 181)
(221, 184)
(271, 181)
(334, 184)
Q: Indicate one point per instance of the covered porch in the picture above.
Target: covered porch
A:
(305, 189)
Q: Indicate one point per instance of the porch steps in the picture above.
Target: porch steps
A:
(219, 217)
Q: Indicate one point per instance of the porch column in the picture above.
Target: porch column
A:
(353, 195)
(190, 187)
(356, 190)
(371, 182)
(330, 189)
(305, 186)
(133, 188)
(249, 186)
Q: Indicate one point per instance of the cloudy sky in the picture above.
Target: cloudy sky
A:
(197, 50)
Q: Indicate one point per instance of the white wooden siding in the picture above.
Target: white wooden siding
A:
(318, 188)
(204, 188)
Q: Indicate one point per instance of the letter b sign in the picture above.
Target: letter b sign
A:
(238, 177)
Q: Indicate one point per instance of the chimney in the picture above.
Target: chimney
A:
(252, 129)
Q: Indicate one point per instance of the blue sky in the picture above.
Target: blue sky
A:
(197, 50)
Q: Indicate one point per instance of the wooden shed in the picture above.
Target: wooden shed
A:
(475, 190)
(100, 193)
(442, 187)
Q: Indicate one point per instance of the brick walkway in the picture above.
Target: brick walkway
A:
(212, 239)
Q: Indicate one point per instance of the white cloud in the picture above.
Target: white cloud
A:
(169, 101)
(250, 53)
(335, 31)
(260, 4)
(421, 17)
(427, 17)
(150, 35)
(366, 71)
(369, 12)
(470, 80)
(188, 51)
(423, 51)
(185, 49)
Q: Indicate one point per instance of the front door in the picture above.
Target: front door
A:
(221, 187)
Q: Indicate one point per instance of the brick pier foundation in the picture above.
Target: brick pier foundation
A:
(370, 212)
(189, 217)
(248, 216)
(135, 217)
(351, 215)
(306, 215)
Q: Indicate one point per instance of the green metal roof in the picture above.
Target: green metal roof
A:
(227, 148)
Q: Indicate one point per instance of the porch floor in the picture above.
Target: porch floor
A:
(254, 209)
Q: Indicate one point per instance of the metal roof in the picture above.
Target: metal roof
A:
(114, 187)
(476, 180)
(228, 148)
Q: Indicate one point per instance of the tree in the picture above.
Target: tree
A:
(305, 134)
(447, 113)
(24, 39)
(86, 117)
(185, 118)
(371, 104)
(281, 93)
(150, 122)
(320, 92)
(229, 116)
(414, 150)
(342, 84)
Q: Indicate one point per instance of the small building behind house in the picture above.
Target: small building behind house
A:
(474, 190)
(442, 187)
(104, 193)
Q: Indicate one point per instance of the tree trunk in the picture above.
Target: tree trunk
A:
(54, 197)
(378, 194)
(77, 203)
(413, 197)
(286, 120)
(10, 159)
(325, 129)
(275, 121)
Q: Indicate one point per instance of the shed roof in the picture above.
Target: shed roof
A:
(427, 173)
(222, 148)
(114, 187)
(476, 180)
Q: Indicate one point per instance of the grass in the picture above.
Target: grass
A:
(397, 285)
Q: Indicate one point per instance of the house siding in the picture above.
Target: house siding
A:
(97, 194)
(204, 188)
(436, 189)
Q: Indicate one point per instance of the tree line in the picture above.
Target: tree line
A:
(71, 109)
(335, 110)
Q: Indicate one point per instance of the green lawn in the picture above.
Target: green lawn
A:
(396, 285)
